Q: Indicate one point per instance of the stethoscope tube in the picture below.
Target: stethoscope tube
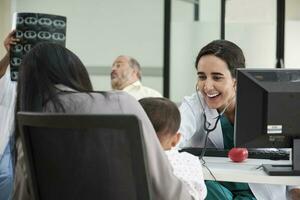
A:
(206, 128)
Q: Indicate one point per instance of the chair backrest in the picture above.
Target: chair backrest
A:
(71, 156)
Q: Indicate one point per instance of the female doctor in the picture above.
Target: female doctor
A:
(211, 110)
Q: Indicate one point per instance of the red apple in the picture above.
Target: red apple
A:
(238, 154)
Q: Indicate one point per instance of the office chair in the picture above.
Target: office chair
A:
(77, 156)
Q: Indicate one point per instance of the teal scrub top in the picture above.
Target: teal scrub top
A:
(238, 189)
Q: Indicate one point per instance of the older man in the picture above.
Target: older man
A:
(126, 76)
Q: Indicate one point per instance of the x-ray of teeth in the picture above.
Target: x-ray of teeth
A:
(30, 20)
(14, 75)
(19, 34)
(27, 47)
(17, 48)
(16, 61)
(30, 35)
(20, 20)
(32, 28)
(44, 35)
(58, 36)
(59, 23)
(45, 21)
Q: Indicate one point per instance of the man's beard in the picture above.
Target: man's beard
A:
(119, 83)
(115, 84)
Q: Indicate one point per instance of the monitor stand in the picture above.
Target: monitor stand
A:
(286, 170)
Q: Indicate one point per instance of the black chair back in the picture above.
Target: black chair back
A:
(76, 156)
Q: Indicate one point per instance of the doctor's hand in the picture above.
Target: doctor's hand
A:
(294, 194)
(10, 40)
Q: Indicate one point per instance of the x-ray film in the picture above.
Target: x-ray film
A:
(32, 28)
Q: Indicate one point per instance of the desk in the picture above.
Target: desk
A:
(225, 170)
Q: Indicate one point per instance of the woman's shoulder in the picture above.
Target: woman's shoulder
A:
(119, 97)
(114, 101)
(190, 103)
(192, 100)
(99, 96)
(99, 102)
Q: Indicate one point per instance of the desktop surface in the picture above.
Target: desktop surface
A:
(248, 171)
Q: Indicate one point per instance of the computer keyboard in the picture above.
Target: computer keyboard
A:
(272, 154)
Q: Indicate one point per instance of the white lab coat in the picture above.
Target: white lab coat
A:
(191, 128)
(7, 109)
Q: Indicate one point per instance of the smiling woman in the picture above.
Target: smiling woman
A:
(208, 115)
(215, 96)
(215, 82)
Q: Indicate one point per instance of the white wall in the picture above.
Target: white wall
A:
(292, 32)
(100, 30)
(5, 22)
(186, 41)
(257, 40)
(187, 38)
(252, 26)
(292, 44)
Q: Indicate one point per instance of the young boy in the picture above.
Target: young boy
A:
(165, 118)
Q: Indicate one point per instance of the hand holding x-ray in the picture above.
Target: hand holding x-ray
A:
(30, 29)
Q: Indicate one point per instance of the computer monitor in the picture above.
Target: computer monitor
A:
(268, 113)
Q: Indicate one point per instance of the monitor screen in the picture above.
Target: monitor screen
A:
(267, 111)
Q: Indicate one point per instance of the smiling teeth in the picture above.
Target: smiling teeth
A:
(212, 95)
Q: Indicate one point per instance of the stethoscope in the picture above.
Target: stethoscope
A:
(206, 124)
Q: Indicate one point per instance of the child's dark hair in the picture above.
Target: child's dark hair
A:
(163, 114)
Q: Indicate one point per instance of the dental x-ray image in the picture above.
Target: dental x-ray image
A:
(32, 28)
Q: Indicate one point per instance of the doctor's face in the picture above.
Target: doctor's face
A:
(215, 82)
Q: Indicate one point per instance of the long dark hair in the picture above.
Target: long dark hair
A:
(45, 66)
(225, 50)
